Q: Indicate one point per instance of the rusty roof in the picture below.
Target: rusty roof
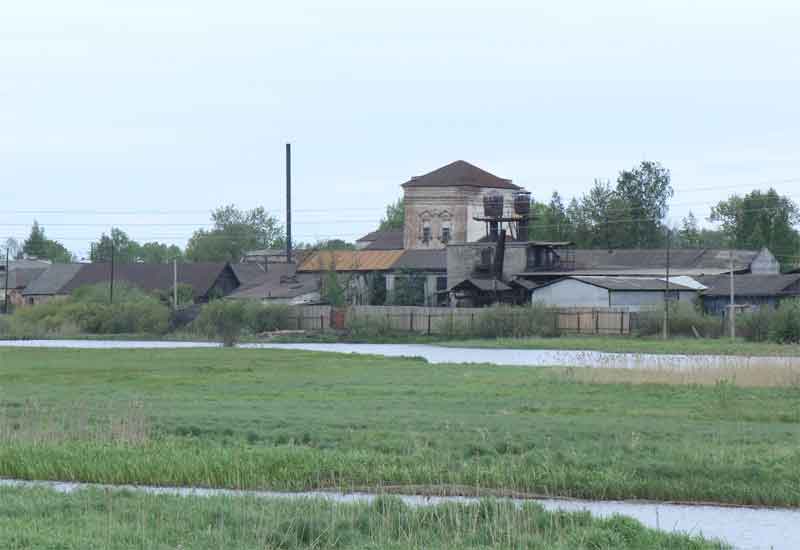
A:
(350, 260)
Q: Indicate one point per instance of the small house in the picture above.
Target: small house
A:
(602, 292)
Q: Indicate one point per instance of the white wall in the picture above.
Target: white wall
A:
(571, 293)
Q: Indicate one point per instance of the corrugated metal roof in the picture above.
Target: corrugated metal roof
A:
(350, 260)
(385, 240)
(53, 280)
(630, 283)
(201, 276)
(280, 282)
(752, 285)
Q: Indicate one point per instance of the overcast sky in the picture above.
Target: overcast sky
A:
(148, 114)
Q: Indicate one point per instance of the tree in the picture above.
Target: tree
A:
(689, 233)
(234, 233)
(39, 246)
(760, 220)
(645, 190)
(553, 223)
(159, 253)
(395, 216)
(126, 250)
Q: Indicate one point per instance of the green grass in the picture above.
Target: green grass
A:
(36, 519)
(277, 419)
(706, 346)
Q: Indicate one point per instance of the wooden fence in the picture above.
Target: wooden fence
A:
(310, 318)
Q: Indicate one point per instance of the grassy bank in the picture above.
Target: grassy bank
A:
(616, 344)
(34, 519)
(300, 420)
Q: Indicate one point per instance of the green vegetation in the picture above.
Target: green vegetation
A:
(33, 519)
(275, 419)
(621, 344)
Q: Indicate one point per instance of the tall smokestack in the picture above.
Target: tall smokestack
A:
(288, 202)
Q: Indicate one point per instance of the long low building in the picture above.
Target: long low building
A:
(601, 292)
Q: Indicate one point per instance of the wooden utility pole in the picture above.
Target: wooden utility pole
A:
(111, 279)
(175, 283)
(288, 203)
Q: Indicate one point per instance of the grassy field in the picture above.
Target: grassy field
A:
(300, 420)
(36, 519)
(617, 344)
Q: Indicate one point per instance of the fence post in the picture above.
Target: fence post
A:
(321, 322)
(596, 321)
(411, 321)
(579, 321)
(622, 322)
(472, 324)
(429, 323)
(557, 321)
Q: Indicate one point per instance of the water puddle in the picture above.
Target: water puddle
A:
(744, 528)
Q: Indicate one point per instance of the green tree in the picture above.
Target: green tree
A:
(234, 233)
(395, 216)
(159, 253)
(126, 250)
(689, 233)
(758, 220)
(644, 190)
(38, 245)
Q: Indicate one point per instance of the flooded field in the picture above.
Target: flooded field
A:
(744, 528)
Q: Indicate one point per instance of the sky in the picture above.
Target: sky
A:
(147, 115)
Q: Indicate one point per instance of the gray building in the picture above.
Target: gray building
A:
(611, 291)
(752, 291)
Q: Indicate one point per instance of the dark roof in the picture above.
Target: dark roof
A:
(484, 285)
(752, 285)
(20, 278)
(629, 283)
(524, 283)
(370, 237)
(460, 173)
(281, 281)
(25, 264)
(248, 273)
(428, 260)
(201, 276)
(53, 280)
(385, 240)
(695, 260)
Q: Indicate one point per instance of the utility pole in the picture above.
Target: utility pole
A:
(288, 203)
(111, 280)
(5, 287)
(175, 283)
(732, 307)
(666, 289)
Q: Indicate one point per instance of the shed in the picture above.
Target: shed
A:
(600, 292)
(752, 291)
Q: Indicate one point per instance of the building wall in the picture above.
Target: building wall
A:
(439, 207)
(463, 260)
(717, 305)
(765, 262)
(645, 298)
(571, 293)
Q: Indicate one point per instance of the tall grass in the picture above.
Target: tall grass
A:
(115, 521)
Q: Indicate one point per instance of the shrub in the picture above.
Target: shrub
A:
(754, 325)
(371, 327)
(515, 321)
(267, 318)
(683, 318)
(223, 320)
(784, 327)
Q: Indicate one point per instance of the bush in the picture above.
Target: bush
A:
(755, 325)
(223, 320)
(371, 327)
(683, 318)
(516, 322)
(784, 327)
(267, 318)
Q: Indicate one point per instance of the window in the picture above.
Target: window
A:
(445, 235)
(426, 234)
(441, 283)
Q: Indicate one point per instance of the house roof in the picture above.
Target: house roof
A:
(629, 283)
(696, 260)
(201, 276)
(427, 260)
(281, 281)
(383, 240)
(53, 280)
(350, 260)
(249, 274)
(20, 278)
(25, 264)
(484, 285)
(460, 173)
(752, 285)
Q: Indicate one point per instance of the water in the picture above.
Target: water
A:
(437, 354)
(744, 528)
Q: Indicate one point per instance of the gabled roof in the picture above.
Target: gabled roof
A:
(458, 174)
(201, 276)
(20, 278)
(423, 260)
(752, 285)
(484, 285)
(350, 260)
(25, 264)
(384, 240)
(281, 281)
(53, 280)
(248, 273)
(697, 260)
